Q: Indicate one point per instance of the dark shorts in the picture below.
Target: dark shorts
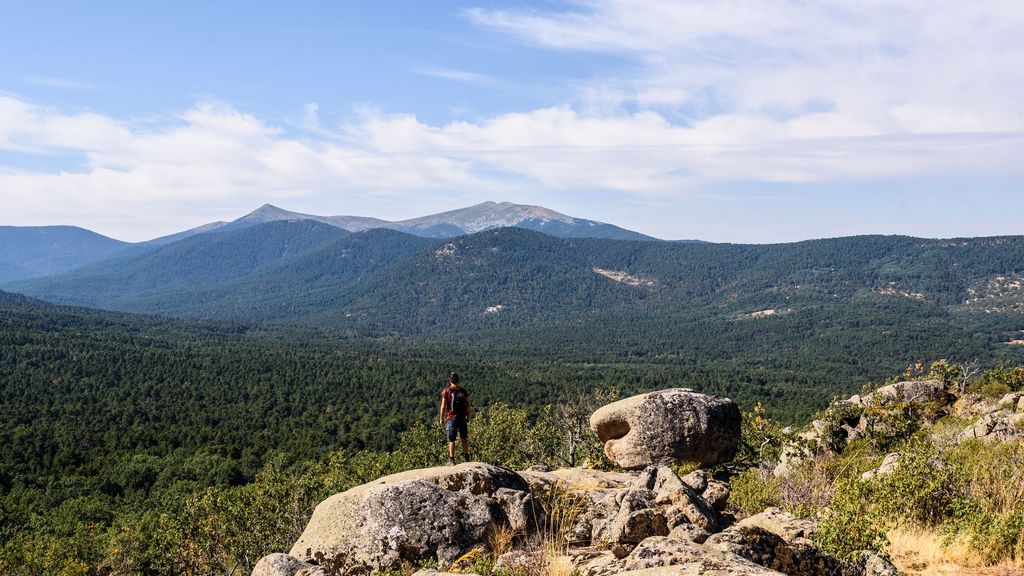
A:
(456, 427)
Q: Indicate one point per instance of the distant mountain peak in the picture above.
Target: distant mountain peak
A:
(488, 215)
(477, 218)
(271, 212)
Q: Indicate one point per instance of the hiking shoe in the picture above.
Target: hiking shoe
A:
(451, 461)
(466, 457)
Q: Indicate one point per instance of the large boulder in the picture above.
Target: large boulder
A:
(438, 513)
(285, 565)
(912, 391)
(781, 523)
(674, 425)
(664, 555)
(797, 557)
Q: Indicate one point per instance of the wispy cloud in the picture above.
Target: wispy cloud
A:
(911, 66)
(456, 75)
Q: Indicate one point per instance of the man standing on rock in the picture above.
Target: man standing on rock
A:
(454, 416)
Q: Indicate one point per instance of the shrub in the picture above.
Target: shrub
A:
(921, 488)
(810, 488)
(991, 515)
(891, 424)
(851, 523)
(999, 380)
(753, 490)
(761, 439)
(833, 419)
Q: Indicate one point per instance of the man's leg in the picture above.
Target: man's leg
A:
(464, 434)
(451, 430)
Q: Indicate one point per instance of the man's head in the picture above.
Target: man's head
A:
(453, 378)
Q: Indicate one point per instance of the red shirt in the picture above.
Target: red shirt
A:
(446, 395)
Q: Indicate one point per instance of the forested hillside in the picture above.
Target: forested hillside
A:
(33, 251)
(512, 286)
(106, 417)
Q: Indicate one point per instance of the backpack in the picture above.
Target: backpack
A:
(458, 398)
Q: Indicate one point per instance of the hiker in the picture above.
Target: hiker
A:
(453, 415)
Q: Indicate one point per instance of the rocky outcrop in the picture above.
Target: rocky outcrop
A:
(285, 565)
(1012, 400)
(911, 391)
(435, 513)
(781, 523)
(1000, 424)
(576, 480)
(873, 564)
(646, 522)
(888, 464)
(660, 555)
(867, 416)
(675, 425)
(671, 490)
(796, 557)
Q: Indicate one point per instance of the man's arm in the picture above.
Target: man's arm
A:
(440, 412)
(467, 408)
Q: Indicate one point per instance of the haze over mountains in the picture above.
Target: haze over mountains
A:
(31, 251)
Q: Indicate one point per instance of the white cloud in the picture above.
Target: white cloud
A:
(456, 75)
(868, 61)
(724, 91)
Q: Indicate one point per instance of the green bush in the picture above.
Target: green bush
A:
(754, 490)
(991, 515)
(921, 488)
(1006, 377)
(761, 439)
(851, 523)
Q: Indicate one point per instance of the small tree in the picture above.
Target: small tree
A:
(570, 419)
(761, 439)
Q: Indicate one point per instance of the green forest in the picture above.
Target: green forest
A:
(120, 435)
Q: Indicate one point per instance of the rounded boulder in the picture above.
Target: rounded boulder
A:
(674, 425)
(434, 513)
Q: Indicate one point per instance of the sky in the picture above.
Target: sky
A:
(723, 120)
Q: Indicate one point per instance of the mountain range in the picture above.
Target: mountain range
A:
(513, 285)
(30, 252)
(495, 286)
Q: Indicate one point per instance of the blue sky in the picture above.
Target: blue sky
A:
(734, 120)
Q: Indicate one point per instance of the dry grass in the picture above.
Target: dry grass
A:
(500, 540)
(559, 566)
(920, 551)
(547, 550)
(997, 482)
(810, 487)
(562, 509)
(467, 560)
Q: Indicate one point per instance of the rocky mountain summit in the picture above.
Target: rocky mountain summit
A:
(663, 515)
(468, 220)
